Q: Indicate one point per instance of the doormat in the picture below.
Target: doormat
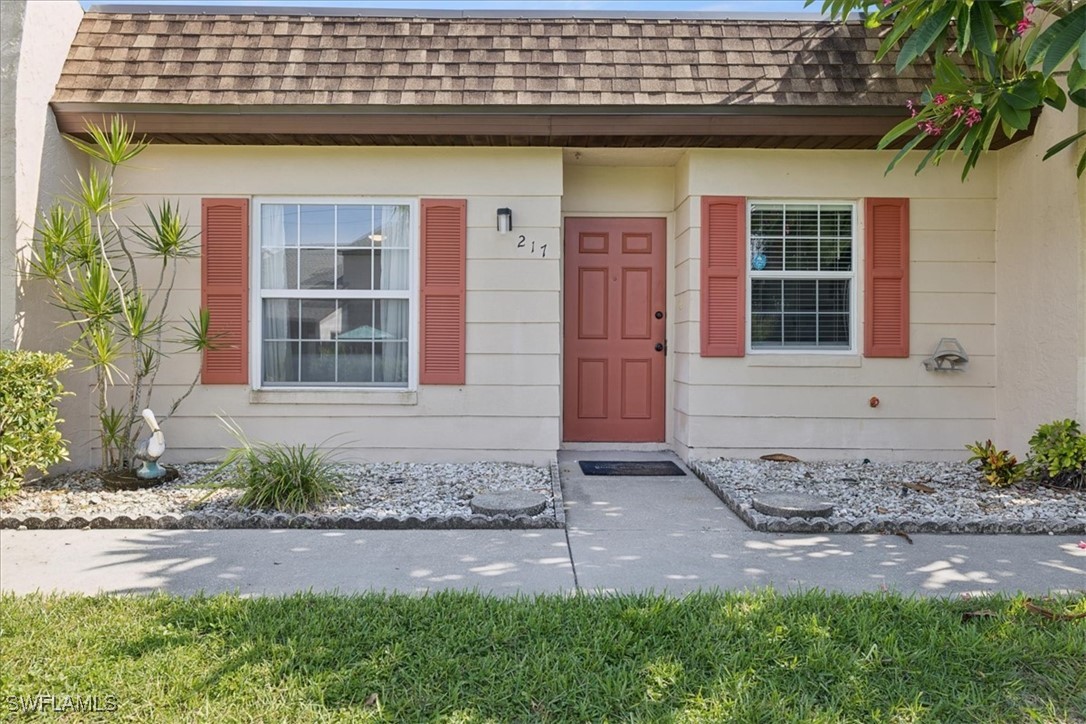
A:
(629, 467)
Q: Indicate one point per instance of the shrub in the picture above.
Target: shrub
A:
(1058, 454)
(29, 391)
(290, 478)
(999, 467)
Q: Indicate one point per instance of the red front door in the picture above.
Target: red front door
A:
(613, 377)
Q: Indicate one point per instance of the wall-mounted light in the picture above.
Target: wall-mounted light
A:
(949, 356)
(505, 221)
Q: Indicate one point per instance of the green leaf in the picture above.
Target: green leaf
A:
(1056, 148)
(1013, 117)
(1023, 95)
(1078, 98)
(1076, 78)
(982, 28)
(901, 154)
(1057, 99)
(924, 36)
(1059, 40)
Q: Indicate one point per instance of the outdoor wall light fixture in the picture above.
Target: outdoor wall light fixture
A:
(949, 356)
(505, 221)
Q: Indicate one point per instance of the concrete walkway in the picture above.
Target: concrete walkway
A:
(624, 534)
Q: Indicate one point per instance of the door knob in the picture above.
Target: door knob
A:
(659, 315)
(659, 347)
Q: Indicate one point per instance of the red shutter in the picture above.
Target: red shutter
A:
(886, 265)
(723, 279)
(225, 271)
(444, 295)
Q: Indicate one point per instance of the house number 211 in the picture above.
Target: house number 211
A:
(523, 243)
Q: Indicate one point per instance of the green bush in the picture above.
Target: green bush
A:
(1058, 454)
(289, 478)
(29, 391)
(999, 467)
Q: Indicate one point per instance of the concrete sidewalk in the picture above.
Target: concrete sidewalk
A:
(624, 534)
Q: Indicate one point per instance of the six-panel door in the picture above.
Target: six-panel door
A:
(614, 345)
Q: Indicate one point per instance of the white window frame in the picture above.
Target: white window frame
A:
(853, 276)
(257, 293)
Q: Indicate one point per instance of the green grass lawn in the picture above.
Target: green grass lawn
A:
(461, 657)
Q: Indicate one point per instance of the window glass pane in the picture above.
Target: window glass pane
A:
(318, 362)
(801, 220)
(319, 319)
(281, 319)
(280, 362)
(278, 225)
(767, 220)
(355, 269)
(801, 254)
(835, 220)
(392, 226)
(390, 269)
(390, 362)
(317, 225)
(354, 224)
(800, 295)
(833, 295)
(833, 330)
(765, 330)
(356, 362)
(835, 255)
(765, 295)
(317, 268)
(800, 330)
(279, 268)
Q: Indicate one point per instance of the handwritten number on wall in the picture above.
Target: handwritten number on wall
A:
(522, 242)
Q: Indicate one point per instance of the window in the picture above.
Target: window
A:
(334, 293)
(802, 276)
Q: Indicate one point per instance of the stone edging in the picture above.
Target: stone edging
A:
(878, 524)
(220, 521)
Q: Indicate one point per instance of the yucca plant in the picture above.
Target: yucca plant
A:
(89, 260)
(288, 478)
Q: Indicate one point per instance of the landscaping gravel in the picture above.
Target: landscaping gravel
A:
(945, 497)
(398, 495)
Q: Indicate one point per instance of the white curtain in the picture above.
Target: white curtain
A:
(395, 272)
(277, 361)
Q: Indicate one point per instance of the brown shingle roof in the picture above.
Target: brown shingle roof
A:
(250, 60)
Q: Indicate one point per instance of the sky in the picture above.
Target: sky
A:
(714, 6)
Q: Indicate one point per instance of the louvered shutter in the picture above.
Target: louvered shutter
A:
(723, 280)
(444, 296)
(886, 266)
(225, 289)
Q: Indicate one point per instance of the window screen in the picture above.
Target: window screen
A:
(801, 276)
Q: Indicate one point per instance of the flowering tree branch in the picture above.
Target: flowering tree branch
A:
(998, 62)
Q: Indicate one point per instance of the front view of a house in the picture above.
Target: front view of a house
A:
(459, 238)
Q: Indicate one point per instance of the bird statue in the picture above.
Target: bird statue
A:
(150, 450)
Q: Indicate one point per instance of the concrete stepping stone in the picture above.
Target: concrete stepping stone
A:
(508, 502)
(792, 505)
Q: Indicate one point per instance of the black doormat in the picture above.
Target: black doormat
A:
(627, 467)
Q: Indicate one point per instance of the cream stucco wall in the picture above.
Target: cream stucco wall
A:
(817, 405)
(510, 407)
(36, 163)
(1041, 283)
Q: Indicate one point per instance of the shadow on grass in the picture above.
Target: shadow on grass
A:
(458, 656)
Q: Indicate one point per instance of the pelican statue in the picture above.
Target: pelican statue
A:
(150, 450)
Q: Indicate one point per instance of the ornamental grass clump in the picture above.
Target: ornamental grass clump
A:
(287, 478)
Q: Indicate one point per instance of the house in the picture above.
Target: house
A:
(453, 236)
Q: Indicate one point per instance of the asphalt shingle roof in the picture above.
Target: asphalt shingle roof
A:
(261, 60)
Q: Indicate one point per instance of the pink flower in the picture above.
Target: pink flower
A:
(912, 108)
(958, 112)
(1030, 7)
(940, 99)
(931, 128)
(886, 3)
(1023, 27)
(1082, 544)
(972, 117)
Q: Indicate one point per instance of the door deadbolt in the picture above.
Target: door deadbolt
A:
(659, 347)
(659, 315)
